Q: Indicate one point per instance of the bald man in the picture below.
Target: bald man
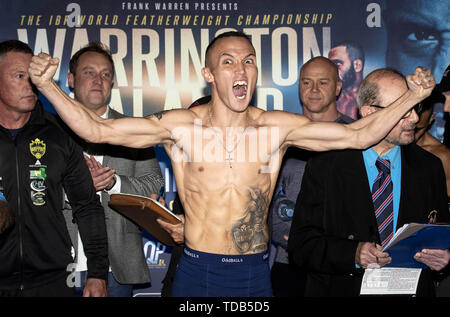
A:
(319, 104)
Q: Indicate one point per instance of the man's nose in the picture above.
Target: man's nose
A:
(98, 78)
(315, 86)
(240, 68)
(414, 117)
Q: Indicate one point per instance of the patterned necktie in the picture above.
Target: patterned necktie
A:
(382, 200)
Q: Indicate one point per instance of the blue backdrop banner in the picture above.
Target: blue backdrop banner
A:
(159, 47)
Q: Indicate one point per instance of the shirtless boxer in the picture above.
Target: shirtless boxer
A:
(225, 191)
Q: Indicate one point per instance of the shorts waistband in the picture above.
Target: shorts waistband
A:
(211, 258)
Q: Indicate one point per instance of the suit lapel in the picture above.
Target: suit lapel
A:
(407, 171)
(356, 174)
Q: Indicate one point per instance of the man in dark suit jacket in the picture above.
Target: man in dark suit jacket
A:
(287, 280)
(334, 234)
(114, 169)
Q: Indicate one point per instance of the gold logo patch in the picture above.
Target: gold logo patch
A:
(37, 148)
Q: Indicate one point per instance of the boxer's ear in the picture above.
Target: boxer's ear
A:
(71, 79)
(366, 110)
(207, 75)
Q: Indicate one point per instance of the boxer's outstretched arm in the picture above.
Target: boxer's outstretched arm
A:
(361, 134)
(131, 132)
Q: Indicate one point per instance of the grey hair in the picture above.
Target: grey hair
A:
(368, 91)
(367, 94)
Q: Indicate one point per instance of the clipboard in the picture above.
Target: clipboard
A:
(412, 238)
(144, 211)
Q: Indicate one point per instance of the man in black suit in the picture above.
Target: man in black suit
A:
(334, 234)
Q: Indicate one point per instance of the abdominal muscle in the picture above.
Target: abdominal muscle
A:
(227, 216)
(226, 203)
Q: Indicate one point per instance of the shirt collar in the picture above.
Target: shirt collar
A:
(105, 115)
(393, 156)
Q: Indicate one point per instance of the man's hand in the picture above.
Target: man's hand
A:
(103, 177)
(42, 69)
(369, 253)
(434, 259)
(421, 83)
(95, 287)
(175, 231)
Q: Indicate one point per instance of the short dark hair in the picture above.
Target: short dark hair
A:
(14, 46)
(224, 35)
(96, 47)
(354, 50)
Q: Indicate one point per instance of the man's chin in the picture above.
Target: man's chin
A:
(27, 106)
(404, 140)
(95, 103)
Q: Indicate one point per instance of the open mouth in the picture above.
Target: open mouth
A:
(240, 89)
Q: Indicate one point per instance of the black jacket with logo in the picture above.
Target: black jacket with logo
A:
(35, 168)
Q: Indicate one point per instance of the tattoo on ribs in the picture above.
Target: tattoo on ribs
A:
(159, 114)
(250, 233)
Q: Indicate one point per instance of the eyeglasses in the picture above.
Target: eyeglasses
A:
(417, 108)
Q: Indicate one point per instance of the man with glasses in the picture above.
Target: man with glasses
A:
(340, 224)
(417, 108)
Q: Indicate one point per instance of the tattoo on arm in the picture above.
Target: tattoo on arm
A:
(158, 115)
(250, 233)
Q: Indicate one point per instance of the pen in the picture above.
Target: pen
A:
(161, 192)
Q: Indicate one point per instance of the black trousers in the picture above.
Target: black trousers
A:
(56, 288)
(287, 280)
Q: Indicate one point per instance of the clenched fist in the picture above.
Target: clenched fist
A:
(421, 83)
(42, 69)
